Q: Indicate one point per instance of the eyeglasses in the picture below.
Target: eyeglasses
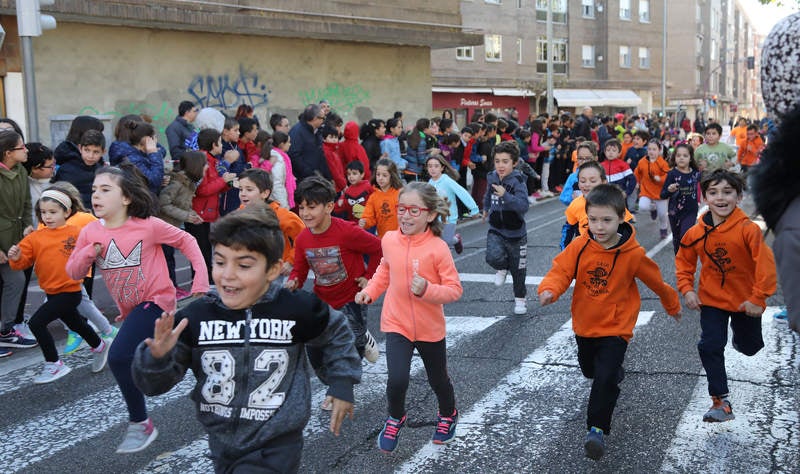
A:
(321, 117)
(18, 148)
(415, 211)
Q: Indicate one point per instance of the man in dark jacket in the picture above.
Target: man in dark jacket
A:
(180, 129)
(306, 149)
(583, 124)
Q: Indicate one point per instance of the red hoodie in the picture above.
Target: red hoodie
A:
(206, 197)
(334, 160)
(351, 150)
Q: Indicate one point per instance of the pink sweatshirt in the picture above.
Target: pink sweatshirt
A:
(132, 261)
(417, 318)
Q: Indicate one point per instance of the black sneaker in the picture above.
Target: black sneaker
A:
(594, 444)
(458, 244)
(15, 339)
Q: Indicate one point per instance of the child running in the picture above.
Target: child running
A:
(680, 187)
(47, 250)
(445, 179)
(619, 172)
(245, 346)
(605, 302)
(419, 276)
(381, 208)
(505, 205)
(126, 244)
(737, 275)
(351, 201)
(650, 174)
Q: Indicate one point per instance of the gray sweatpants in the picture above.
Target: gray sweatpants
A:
(511, 255)
(13, 286)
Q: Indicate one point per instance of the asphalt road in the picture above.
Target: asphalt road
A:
(520, 393)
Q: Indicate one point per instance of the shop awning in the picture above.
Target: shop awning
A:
(513, 92)
(509, 92)
(596, 97)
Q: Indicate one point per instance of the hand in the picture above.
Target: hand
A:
(676, 316)
(498, 190)
(418, 284)
(286, 268)
(750, 309)
(98, 249)
(164, 335)
(546, 298)
(228, 177)
(165, 181)
(27, 231)
(362, 222)
(471, 165)
(231, 156)
(484, 216)
(195, 218)
(435, 151)
(657, 179)
(3, 258)
(362, 298)
(341, 408)
(14, 253)
(150, 144)
(291, 284)
(361, 282)
(672, 187)
(692, 300)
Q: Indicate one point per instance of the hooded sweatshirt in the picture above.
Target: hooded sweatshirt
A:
(351, 150)
(606, 301)
(736, 263)
(646, 174)
(507, 212)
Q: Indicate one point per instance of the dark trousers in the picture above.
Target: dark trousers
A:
(511, 255)
(138, 326)
(680, 224)
(200, 233)
(713, 338)
(398, 362)
(462, 180)
(280, 455)
(600, 359)
(356, 320)
(479, 184)
(169, 256)
(24, 299)
(62, 306)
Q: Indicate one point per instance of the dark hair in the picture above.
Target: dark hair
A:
(80, 124)
(259, 177)
(468, 129)
(184, 107)
(14, 125)
(490, 118)
(355, 165)
(593, 165)
(398, 114)
(134, 187)
(122, 132)
(447, 114)
(310, 113)
(445, 123)
(315, 189)
(328, 130)
(508, 147)
(394, 175)
(246, 124)
(279, 138)
(333, 119)
(93, 138)
(692, 162)
(75, 201)
(643, 135)
(74, 195)
(717, 176)
(432, 200)
(393, 122)
(230, 123)
(607, 195)
(524, 133)
(613, 143)
(207, 138)
(8, 141)
(714, 126)
(275, 120)
(38, 154)
(256, 229)
(139, 130)
(436, 120)
(416, 135)
(368, 129)
(451, 139)
(192, 164)
(243, 111)
(502, 124)
(263, 137)
(752, 127)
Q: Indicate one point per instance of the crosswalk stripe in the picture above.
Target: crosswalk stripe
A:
(192, 457)
(764, 435)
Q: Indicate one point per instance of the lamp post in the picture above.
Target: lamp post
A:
(549, 32)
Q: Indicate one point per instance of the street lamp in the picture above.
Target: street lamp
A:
(30, 23)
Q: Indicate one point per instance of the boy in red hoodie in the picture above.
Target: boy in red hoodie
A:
(351, 201)
(736, 278)
(605, 302)
(330, 145)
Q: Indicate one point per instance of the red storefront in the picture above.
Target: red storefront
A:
(465, 102)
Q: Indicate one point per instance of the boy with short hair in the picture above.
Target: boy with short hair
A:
(618, 171)
(350, 205)
(81, 172)
(232, 161)
(333, 157)
(737, 276)
(750, 149)
(334, 249)
(638, 150)
(713, 154)
(256, 331)
(605, 302)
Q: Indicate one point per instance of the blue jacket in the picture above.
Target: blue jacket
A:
(80, 175)
(569, 188)
(391, 146)
(229, 201)
(177, 133)
(507, 213)
(306, 152)
(151, 165)
(448, 188)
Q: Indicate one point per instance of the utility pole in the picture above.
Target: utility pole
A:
(549, 32)
(30, 23)
(664, 65)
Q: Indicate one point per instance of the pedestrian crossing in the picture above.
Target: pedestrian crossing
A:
(530, 420)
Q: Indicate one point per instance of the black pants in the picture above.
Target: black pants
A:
(200, 233)
(398, 361)
(24, 299)
(169, 256)
(62, 306)
(600, 359)
(511, 255)
(280, 455)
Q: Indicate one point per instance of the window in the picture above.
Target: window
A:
(587, 55)
(559, 55)
(465, 53)
(624, 56)
(644, 58)
(625, 9)
(587, 8)
(495, 2)
(644, 11)
(519, 50)
(559, 10)
(713, 49)
(494, 47)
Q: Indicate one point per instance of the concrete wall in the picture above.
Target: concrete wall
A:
(89, 69)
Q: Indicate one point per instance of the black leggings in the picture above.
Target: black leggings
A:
(398, 361)
(62, 306)
(200, 233)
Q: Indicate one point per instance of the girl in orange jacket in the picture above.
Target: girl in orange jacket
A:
(650, 174)
(381, 207)
(419, 276)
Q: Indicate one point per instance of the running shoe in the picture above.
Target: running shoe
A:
(594, 444)
(74, 341)
(52, 371)
(100, 355)
(387, 440)
(138, 436)
(15, 339)
(519, 306)
(445, 428)
(781, 315)
(5, 353)
(721, 410)
(371, 352)
(500, 277)
(458, 244)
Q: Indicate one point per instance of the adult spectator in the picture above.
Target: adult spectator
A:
(583, 125)
(68, 149)
(279, 123)
(325, 106)
(306, 145)
(181, 129)
(699, 124)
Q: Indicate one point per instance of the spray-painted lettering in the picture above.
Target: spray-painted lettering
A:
(228, 91)
(342, 99)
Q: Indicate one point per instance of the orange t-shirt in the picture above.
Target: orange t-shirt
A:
(625, 148)
(646, 173)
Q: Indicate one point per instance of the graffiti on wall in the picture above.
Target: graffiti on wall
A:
(228, 91)
(343, 99)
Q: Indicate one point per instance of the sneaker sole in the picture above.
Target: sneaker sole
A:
(520, 311)
(60, 374)
(594, 450)
(144, 445)
(18, 346)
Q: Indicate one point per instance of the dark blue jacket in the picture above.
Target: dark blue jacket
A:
(177, 133)
(151, 165)
(306, 152)
(229, 201)
(81, 176)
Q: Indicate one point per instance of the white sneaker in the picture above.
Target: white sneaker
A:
(100, 356)
(531, 200)
(500, 277)
(519, 306)
(23, 330)
(371, 352)
(138, 436)
(52, 371)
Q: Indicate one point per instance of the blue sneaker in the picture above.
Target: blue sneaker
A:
(110, 336)
(781, 315)
(387, 440)
(5, 353)
(445, 428)
(594, 444)
(74, 341)
(15, 339)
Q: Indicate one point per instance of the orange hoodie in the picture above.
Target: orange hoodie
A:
(49, 249)
(606, 299)
(646, 172)
(417, 318)
(749, 151)
(291, 225)
(576, 214)
(736, 263)
(381, 210)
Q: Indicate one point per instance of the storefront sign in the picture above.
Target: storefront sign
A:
(476, 102)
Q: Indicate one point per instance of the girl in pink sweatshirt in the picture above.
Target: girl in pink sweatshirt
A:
(419, 276)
